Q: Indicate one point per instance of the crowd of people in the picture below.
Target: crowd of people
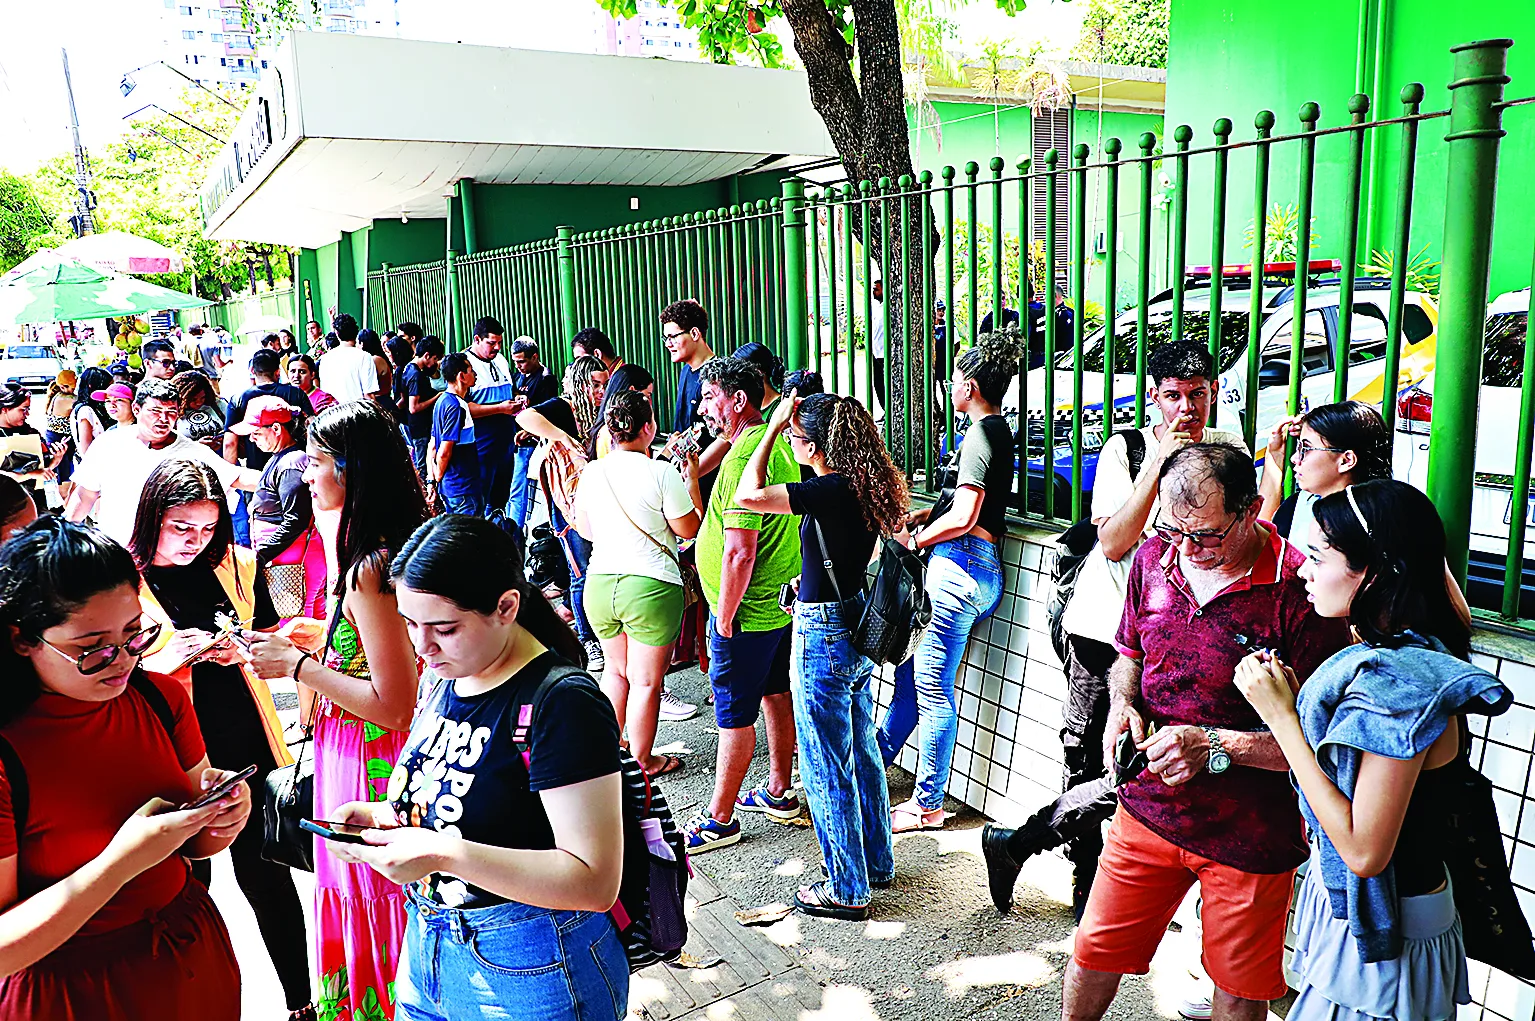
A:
(352, 521)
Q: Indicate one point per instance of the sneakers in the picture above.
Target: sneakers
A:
(594, 660)
(674, 709)
(786, 806)
(1196, 1007)
(705, 833)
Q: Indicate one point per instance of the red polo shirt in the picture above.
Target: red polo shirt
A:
(1246, 818)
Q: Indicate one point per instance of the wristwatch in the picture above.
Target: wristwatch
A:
(1220, 759)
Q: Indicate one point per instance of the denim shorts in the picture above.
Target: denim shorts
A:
(745, 668)
(530, 963)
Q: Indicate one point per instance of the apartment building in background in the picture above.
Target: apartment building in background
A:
(654, 31)
(208, 41)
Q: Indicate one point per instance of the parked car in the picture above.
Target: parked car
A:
(1497, 437)
(32, 365)
(1367, 348)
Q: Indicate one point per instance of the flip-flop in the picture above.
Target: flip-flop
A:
(671, 765)
(816, 899)
(910, 817)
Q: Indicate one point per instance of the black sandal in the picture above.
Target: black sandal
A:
(816, 899)
(304, 1013)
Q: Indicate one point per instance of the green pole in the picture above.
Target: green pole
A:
(1513, 568)
(389, 323)
(1078, 295)
(998, 296)
(1218, 252)
(926, 365)
(452, 289)
(1182, 135)
(1047, 292)
(813, 242)
(1358, 108)
(1412, 95)
(1142, 280)
(1472, 144)
(951, 338)
(884, 186)
(1111, 149)
(464, 187)
(1309, 114)
(908, 348)
(972, 267)
(1025, 298)
(795, 340)
(567, 280)
(1264, 122)
(865, 192)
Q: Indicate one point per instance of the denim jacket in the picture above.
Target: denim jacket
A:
(1394, 702)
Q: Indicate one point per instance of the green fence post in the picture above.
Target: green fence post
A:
(950, 336)
(1182, 135)
(1111, 149)
(452, 295)
(1472, 144)
(1310, 113)
(1264, 122)
(1222, 134)
(1412, 95)
(1358, 108)
(1513, 568)
(998, 295)
(1142, 279)
(1078, 228)
(389, 323)
(1047, 296)
(794, 281)
(1025, 298)
(567, 280)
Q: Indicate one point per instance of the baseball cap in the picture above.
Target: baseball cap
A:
(122, 391)
(264, 411)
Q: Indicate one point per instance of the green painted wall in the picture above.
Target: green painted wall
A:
(308, 278)
(399, 244)
(1229, 58)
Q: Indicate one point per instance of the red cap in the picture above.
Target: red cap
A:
(264, 411)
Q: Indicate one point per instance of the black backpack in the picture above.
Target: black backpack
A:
(1073, 546)
(887, 623)
(546, 563)
(649, 912)
(16, 773)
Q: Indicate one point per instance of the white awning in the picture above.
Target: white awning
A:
(346, 129)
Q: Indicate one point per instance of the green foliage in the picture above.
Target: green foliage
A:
(25, 226)
(1422, 272)
(1281, 234)
(1124, 32)
(147, 183)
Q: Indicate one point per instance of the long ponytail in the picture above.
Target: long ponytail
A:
(473, 563)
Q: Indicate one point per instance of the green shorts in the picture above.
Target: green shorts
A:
(648, 610)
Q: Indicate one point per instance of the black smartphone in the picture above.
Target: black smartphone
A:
(344, 832)
(212, 794)
(1129, 761)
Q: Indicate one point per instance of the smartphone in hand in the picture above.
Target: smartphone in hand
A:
(341, 832)
(217, 791)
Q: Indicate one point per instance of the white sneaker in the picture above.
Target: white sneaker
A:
(1195, 1007)
(594, 660)
(674, 709)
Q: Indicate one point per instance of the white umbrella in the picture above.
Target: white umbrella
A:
(118, 251)
(263, 324)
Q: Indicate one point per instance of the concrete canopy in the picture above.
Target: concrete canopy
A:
(344, 129)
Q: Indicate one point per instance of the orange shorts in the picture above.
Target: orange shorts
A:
(1140, 883)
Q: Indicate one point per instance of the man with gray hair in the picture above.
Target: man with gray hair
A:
(1207, 796)
(744, 558)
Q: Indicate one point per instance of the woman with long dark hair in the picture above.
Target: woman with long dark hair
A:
(369, 341)
(633, 509)
(1338, 445)
(202, 413)
(856, 495)
(621, 380)
(1377, 933)
(89, 417)
(283, 529)
(964, 577)
(358, 465)
(183, 543)
(513, 862)
(99, 915)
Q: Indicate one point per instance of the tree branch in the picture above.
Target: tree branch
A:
(833, 90)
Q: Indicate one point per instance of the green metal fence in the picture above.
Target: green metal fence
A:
(233, 313)
(798, 274)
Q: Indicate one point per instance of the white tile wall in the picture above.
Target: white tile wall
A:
(1007, 758)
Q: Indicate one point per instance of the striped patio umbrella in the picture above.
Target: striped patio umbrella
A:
(57, 290)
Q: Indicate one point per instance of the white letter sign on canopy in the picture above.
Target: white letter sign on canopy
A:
(263, 123)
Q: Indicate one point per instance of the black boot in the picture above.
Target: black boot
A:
(1005, 851)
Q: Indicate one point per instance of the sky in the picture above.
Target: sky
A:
(106, 38)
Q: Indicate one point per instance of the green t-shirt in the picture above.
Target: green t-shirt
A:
(778, 558)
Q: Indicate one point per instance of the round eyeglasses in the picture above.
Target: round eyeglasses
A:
(93, 661)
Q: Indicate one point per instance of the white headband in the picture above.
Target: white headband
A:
(1349, 490)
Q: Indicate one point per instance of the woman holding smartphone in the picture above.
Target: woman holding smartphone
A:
(512, 862)
(99, 915)
(359, 467)
(183, 543)
(1377, 932)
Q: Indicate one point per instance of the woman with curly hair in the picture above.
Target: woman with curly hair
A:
(964, 577)
(856, 495)
(633, 509)
(202, 413)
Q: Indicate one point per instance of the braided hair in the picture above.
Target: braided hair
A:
(577, 378)
(844, 431)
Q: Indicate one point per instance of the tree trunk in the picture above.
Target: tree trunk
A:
(866, 118)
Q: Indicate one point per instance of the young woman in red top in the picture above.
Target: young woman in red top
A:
(100, 919)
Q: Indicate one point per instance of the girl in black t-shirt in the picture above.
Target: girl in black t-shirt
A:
(855, 495)
(964, 577)
(524, 855)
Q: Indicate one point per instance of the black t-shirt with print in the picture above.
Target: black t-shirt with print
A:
(460, 770)
(829, 500)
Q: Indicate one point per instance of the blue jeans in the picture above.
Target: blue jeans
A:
(417, 451)
(520, 503)
(578, 553)
(241, 517)
(840, 766)
(510, 960)
(469, 502)
(964, 582)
